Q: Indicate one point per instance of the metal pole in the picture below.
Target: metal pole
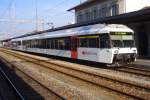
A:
(14, 16)
(36, 12)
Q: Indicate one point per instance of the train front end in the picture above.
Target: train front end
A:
(123, 48)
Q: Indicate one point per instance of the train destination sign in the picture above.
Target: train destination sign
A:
(121, 33)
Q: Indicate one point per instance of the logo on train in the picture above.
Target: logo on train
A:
(88, 53)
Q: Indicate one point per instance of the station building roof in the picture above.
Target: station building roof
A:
(82, 4)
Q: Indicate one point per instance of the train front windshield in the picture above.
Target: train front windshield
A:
(122, 39)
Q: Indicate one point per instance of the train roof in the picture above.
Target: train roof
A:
(84, 30)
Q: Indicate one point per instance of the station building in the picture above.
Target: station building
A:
(133, 13)
(94, 9)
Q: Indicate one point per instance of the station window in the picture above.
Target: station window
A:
(88, 15)
(115, 9)
(99, 13)
(95, 12)
(80, 17)
(104, 12)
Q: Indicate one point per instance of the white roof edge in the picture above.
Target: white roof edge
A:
(90, 29)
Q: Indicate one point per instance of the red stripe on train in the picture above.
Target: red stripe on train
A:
(74, 54)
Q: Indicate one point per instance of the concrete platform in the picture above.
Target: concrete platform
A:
(142, 63)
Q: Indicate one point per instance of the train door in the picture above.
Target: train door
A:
(74, 45)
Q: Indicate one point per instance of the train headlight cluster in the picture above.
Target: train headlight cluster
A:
(116, 51)
(134, 51)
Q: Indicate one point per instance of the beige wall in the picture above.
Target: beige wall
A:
(134, 5)
(122, 8)
(125, 6)
(100, 4)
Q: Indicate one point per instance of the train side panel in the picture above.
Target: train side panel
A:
(95, 54)
(54, 52)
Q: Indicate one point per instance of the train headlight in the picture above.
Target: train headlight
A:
(134, 51)
(116, 51)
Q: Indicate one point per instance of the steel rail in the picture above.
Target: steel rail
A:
(12, 85)
(41, 84)
(10, 65)
(135, 71)
(140, 69)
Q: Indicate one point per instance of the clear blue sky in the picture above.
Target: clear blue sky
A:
(49, 10)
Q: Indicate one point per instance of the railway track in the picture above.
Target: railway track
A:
(15, 94)
(126, 85)
(41, 92)
(134, 70)
(26, 87)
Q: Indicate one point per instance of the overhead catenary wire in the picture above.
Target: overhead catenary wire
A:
(5, 11)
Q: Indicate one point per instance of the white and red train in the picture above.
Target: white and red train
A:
(111, 44)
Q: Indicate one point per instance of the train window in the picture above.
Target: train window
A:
(128, 43)
(26, 44)
(23, 43)
(36, 43)
(83, 42)
(93, 42)
(48, 43)
(39, 44)
(31, 43)
(89, 41)
(56, 44)
(43, 43)
(67, 44)
(19, 43)
(52, 44)
(61, 44)
(105, 41)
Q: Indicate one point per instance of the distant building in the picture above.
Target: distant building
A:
(94, 9)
